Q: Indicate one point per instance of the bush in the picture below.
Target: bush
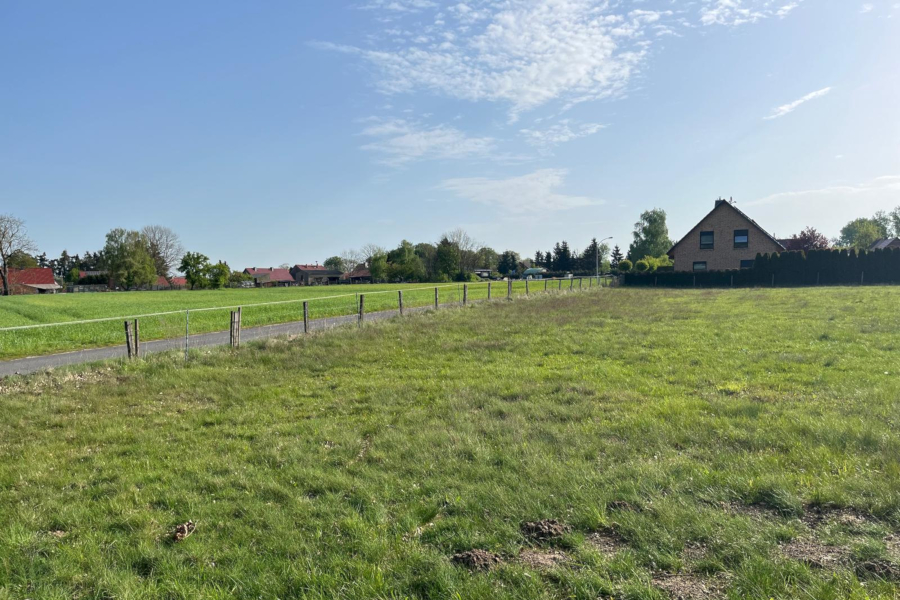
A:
(642, 266)
(625, 265)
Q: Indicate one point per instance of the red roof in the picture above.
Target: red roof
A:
(36, 276)
(271, 274)
(176, 281)
(315, 267)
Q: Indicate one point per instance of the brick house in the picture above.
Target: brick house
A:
(32, 281)
(270, 277)
(725, 238)
(358, 275)
(315, 275)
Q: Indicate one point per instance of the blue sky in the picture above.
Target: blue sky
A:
(279, 132)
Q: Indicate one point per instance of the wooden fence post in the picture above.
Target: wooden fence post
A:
(400, 301)
(571, 284)
(590, 282)
(465, 294)
(137, 339)
(489, 290)
(362, 309)
(240, 312)
(580, 281)
(128, 337)
(305, 316)
(560, 285)
(546, 281)
(435, 297)
(509, 289)
(526, 287)
(231, 327)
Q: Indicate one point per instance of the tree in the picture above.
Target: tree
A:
(486, 258)
(446, 259)
(13, 240)
(624, 265)
(539, 259)
(236, 278)
(616, 257)
(335, 263)
(73, 275)
(861, 233)
(895, 222)
(164, 247)
(642, 266)
(405, 264)
(22, 260)
(808, 239)
(562, 256)
(217, 275)
(127, 259)
(508, 263)
(194, 266)
(593, 256)
(378, 266)
(651, 235)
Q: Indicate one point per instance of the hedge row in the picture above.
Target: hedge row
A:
(817, 267)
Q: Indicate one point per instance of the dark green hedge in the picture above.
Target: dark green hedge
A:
(817, 267)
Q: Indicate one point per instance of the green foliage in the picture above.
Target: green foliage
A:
(446, 258)
(625, 265)
(73, 276)
(405, 264)
(127, 259)
(194, 265)
(862, 233)
(236, 278)
(217, 275)
(335, 263)
(651, 235)
(21, 260)
(378, 266)
(509, 262)
(641, 266)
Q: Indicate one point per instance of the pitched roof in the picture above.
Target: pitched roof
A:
(32, 277)
(720, 203)
(271, 274)
(885, 243)
(176, 281)
(355, 273)
(316, 269)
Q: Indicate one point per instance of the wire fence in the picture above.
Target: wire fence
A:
(29, 348)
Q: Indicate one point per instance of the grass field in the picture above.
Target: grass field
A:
(697, 444)
(325, 301)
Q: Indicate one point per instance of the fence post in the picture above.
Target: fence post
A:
(187, 329)
(560, 285)
(465, 294)
(137, 339)
(128, 337)
(400, 301)
(489, 290)
(305, 316)
(509, 289)
(231, 329)
(591, 282)
(436, 298)
(580, 281)
(239, 322)
(571, 284)
(362, 309)
(546, 281)
(526, 287)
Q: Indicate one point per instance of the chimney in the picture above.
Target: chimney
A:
(720, 201)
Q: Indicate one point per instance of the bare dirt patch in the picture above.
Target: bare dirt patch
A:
(819, 516)
(753, 511)
(815, 554)
(879, 569)
(893, 545)
(542, 559)
(477, 560)
(606, 541)
(688, 587)
(546, 529)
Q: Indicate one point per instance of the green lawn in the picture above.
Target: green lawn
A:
(325, 301)
(733, 443)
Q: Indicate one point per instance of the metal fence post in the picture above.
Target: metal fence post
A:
(400, 301)
(362, 309)
(305, 316)
(465, 294)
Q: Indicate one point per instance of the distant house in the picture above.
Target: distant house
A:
(315, 275)
(174, 283)
(483, 273)
(534, 273)
(270, 277)
(32, 281)
(725, 238)
(885, 244)
(358, 275)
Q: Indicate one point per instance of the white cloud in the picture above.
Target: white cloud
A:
(826, 208)
(740, 12)
(786, 10)
(532, 193)
(866, 8)
(562, 132)
(789, 108)
(400, 142)
(398, 5)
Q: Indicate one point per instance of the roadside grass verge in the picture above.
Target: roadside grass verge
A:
(698, 444)
(324, 302)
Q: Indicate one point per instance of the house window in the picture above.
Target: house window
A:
(700, 266)
(706, 240)
(747, 264)
(741, 238)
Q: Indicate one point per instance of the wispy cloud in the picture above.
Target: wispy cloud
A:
(531, 193)
(400, 142)
(560, 133)
(789, 108)
(740, 12)
(866, 8)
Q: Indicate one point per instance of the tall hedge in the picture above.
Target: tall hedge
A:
(817, 267)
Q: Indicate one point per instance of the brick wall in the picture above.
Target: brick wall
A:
(723, 220)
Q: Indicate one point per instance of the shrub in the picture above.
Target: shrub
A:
(625, 265)
(642, 266)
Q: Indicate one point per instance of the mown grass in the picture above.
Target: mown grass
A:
(700, 429)
(324, 302)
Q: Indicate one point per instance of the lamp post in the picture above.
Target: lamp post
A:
(597, 249)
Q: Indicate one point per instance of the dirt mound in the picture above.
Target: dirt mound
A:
(688, 587)
(183, 531)
(815, 554)
(544, 530)
(542, 559)
(477, 560)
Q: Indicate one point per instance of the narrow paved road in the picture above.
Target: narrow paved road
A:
(23, 366)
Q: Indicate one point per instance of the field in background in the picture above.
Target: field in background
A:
(696, 443)
(324, 302)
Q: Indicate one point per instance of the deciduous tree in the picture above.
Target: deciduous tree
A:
(13, 239)
(651, 235)
(165, 248)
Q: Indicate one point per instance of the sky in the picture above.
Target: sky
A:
(287, 132)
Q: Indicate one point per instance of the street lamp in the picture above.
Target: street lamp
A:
(597, 249)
